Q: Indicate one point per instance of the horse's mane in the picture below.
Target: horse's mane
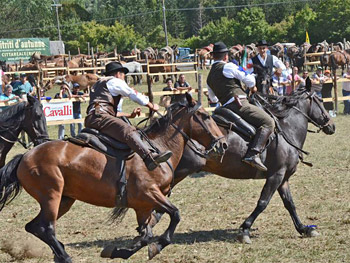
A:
(283, 104)
(161, 124)
(11, 117)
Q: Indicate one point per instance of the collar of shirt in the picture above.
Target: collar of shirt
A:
(263, 61)
(217, 61)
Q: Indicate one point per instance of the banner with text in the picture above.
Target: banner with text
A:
(15, 49)
(58, 111)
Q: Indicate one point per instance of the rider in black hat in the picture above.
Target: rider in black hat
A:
(224, 80)
(102, 112)
(262, 66)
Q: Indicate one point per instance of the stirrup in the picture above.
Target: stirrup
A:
(255, 162)
(152, 162)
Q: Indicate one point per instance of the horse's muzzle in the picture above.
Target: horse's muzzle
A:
(329, 129)
(220, 147)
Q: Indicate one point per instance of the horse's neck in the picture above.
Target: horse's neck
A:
(172, 140)
(294, 125)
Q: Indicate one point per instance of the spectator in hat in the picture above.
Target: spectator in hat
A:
(102, 113)
(63, 94)
(317, 81)
(76, 93)
(15, 83)
(262, 66)
(25, 87)
(224, 81)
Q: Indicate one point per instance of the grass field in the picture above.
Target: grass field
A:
(212, 209)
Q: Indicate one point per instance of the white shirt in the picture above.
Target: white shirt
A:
(346, 84)
(1, 74)
(275, 61)
(232, 71)
(119, 87)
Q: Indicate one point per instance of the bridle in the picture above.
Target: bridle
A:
(37, 140)
(316, 99)
(193, 146)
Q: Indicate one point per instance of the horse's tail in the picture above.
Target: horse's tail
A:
(9, 184)
(118, 214)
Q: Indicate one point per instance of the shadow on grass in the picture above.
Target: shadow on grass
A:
(226, 235)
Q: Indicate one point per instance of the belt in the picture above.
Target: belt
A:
(233, 99)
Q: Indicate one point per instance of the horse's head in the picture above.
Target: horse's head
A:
(317, 114)
(197, 124)
(35, 122)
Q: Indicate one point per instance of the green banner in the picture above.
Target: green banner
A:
(23, 48)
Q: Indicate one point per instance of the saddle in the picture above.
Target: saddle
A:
(228, 119)
(103, 143)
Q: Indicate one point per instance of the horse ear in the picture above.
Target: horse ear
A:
(308, 84)
(30, 99)
(190, 100)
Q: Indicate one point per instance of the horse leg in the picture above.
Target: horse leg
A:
(65, 205)
(270, 187)
(166, 238)
(284, 192)
(145, 235)
(43, 227)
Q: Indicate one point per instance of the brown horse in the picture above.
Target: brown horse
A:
(337, 58)
(58, 173)
(85, 80)
(204, 54)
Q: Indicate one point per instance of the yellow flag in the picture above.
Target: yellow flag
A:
(307, 38)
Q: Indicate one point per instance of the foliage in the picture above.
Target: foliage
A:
(195, 23)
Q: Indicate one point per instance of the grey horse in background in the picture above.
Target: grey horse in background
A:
(134, 67)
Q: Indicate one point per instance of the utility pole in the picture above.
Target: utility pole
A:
(56, 4)
(164, 25)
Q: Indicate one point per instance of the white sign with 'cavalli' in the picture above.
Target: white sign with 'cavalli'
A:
(58, 111)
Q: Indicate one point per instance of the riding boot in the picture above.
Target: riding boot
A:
(252, 156)
(151, 160)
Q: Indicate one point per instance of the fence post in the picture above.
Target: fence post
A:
(200, 88)
(334, 71)
(150, 94)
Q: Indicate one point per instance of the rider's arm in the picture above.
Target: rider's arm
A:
(278, 63)
(119, 87)
(211, 95)
(232, 71)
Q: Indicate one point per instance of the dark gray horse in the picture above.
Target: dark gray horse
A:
(280, 157)
(27, 116)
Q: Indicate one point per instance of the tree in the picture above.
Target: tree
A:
(250, 25)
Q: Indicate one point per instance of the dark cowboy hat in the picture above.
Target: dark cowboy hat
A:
(114, 67)
(262, 43)
(219, 47)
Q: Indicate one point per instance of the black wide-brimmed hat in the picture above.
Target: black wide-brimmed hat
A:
(219, 47)
(262, 43)
(114, 67)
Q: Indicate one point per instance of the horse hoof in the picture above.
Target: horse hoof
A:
(313, 233)
(107, 251)
(244, 238)
(153, 250)
(62, 260)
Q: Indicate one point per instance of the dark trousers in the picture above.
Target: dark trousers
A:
(252, 114)
(117, 129)
(327, 93)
